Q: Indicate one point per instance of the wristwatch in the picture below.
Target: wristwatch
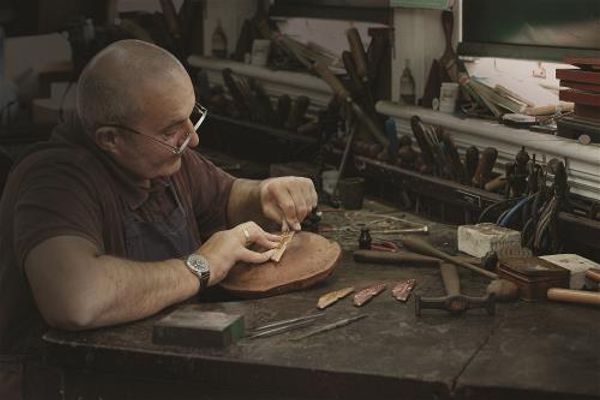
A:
(199, 267)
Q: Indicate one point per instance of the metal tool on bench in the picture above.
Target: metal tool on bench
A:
(454, 302)
(502, 289)
(282, 326)
(334, 325)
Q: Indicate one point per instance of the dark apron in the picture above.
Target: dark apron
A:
(159, 239)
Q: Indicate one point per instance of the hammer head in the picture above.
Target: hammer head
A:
(456, 304)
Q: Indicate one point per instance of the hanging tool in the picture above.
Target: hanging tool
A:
(358, 54)
(284, 104)
(471, 162)
(486, 163)
(235, 92)
(458, 170)
(427, 153)
(297, 112)
(328, 327)
(449, 58)
(340, 91)
(454, 302)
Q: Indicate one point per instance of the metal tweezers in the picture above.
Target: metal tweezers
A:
(286, 325)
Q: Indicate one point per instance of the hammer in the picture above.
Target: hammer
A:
(502, 289)
(454, 302)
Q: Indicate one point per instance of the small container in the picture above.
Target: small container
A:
(407, 85)
(533, 276)
(364, 240)
(219, 42)
(352, 192)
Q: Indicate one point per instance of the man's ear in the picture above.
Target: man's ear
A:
(108, 139)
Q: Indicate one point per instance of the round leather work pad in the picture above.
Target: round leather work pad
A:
(308, 259)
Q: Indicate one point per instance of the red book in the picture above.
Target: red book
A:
(588, 87)
(578, 75)
(579, 97)
(583, 62)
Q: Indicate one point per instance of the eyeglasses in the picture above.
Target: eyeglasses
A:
(197, 117)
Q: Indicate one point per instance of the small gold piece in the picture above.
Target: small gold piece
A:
(365, 295)
(402, 290)
(285, 240)
(329, 298)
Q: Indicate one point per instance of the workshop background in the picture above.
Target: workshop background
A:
(474, 124)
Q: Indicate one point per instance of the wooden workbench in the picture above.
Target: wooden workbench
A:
(527, 350)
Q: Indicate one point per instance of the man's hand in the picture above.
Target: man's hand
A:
(287, 200)
(225, 248)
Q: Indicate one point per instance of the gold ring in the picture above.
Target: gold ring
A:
(247, 235)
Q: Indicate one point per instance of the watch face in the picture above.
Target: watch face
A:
(197, 263)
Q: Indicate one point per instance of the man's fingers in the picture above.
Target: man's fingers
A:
(254, 257)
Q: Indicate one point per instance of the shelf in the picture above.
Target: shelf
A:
(583, 162)
(275, 82)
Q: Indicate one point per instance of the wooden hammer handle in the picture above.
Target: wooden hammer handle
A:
(593, 274)
(358, 52)
(451, 279)
(422, 247)
(380, 257)
(329, 78)
(574, 296)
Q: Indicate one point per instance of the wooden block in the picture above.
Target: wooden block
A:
(478, 240)
(309, 258)
(576, 264)
(190, 326)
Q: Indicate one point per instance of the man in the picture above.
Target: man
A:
(115, 218)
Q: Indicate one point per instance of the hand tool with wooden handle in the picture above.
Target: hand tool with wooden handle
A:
(408, 259)
(451, 151)
(358, 54)
(454, 302)
(297, 112)
(418, 130)
(449, 57)
(574, 296)
(264, 103)
(357, 83)
(505, 291)
(168, 10)
(356, 64)
(339, 89)
(284, 104)
(471, 162)
(422, 247)
(235, 91)
(487, 160)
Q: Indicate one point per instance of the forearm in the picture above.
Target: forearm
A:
(244, 203)
(130, 290)
(76, 288)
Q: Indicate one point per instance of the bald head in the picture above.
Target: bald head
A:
(114, 85)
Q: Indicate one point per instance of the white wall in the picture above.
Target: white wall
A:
(418, 37)
(232, 14)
